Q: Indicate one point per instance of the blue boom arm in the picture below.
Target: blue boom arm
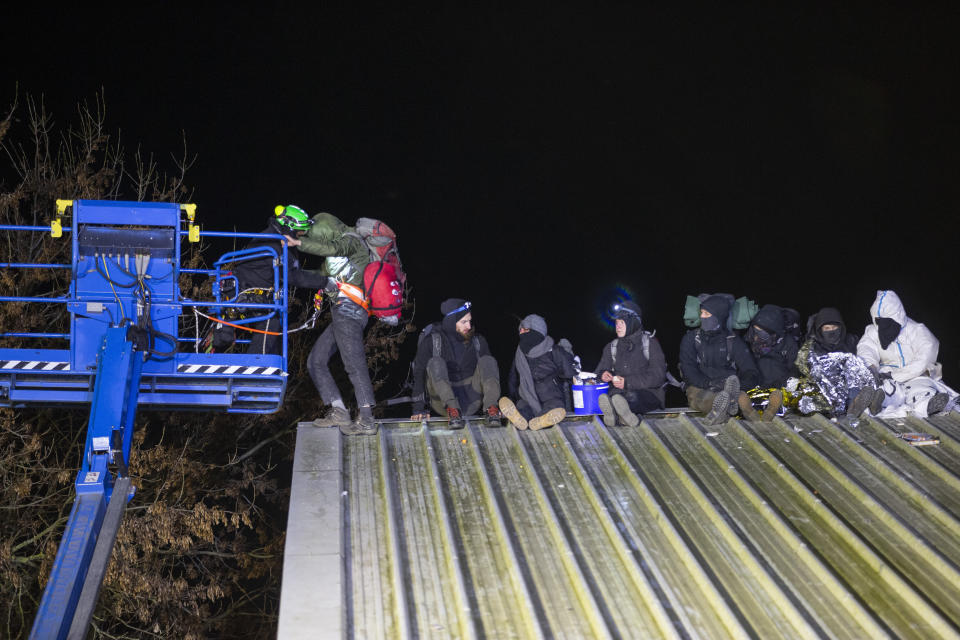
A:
(84, 552)
(125, 349)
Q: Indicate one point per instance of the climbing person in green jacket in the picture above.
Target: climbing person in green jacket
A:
(345, 257)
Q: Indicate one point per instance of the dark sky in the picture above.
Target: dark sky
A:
(533, 160)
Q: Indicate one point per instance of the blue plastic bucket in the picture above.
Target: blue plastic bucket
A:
(586, 397)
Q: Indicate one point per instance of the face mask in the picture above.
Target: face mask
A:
(529, 340)
(710, 324)
(887, 329)
(761, 341)
(830, 336)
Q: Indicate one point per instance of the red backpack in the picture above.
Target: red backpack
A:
(383, 278)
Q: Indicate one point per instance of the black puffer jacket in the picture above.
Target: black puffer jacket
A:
(637, 370)
(775, 356)
(707, 358)
(548, 372)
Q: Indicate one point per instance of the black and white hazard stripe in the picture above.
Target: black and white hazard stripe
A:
(34, 365)
(228, 370)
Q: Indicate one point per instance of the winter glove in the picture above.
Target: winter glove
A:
(390, 320)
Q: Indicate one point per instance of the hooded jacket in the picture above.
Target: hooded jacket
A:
(707, 358)
(914, 351)
(776, 364)
(540, 380)
(259, 273)
(346, 256)
(816, 345)
(639, 371)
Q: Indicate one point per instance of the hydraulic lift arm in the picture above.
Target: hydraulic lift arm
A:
(84, 552)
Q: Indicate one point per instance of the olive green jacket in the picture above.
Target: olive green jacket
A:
(345, 256)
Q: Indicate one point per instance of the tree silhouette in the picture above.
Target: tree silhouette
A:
(199, 553)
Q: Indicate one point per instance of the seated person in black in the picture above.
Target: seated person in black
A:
(634, 366)
(715, 363)
(454, 370)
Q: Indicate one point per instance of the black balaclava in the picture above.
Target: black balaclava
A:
(829, 315)
(629, 312)
(453, 309)
(766, 330)
(530, 339)
(831, 337)
(887, 330)
(762, 341)
(719, 307)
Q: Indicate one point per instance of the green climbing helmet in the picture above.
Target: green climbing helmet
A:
(293, 217)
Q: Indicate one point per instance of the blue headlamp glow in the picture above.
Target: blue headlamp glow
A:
(619, 311)
(466, 307)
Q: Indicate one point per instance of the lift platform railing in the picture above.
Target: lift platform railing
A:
(124, 349)
(106, 239)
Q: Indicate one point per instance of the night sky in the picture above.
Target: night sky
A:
(535, 160)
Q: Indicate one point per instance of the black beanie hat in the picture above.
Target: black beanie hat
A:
(453, 309)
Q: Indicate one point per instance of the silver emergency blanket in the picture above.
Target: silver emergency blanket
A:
(836, 376)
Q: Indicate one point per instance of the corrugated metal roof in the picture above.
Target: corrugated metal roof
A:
(800, 527)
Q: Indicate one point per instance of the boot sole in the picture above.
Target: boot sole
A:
(937, 403)
(718, 413)
(861, 403)
(326, 424)
(606, 408)
(622, 408)
(511, 413)
(550, 418)
(732, 386)
(353, 429)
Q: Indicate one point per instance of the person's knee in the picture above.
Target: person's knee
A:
(487, 366)
(699, 399)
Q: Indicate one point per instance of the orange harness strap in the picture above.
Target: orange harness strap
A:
(355, 294)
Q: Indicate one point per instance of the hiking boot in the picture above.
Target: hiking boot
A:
(937, 403)
(454, 419)
(861, 402)
(362, 426)
(746, 408)
(622, 407)
(606, 408)
(718, 412)
(732, 387)
(493, 418)
(550, 418)
(876, 406)
(510, 411)
(333, 417)
(774, 404)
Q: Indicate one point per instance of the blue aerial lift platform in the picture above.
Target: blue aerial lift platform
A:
(125, 350)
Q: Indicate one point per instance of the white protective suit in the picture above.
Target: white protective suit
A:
(911, 359)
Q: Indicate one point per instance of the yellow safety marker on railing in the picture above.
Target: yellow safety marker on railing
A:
(56, 227)
(193, 230)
